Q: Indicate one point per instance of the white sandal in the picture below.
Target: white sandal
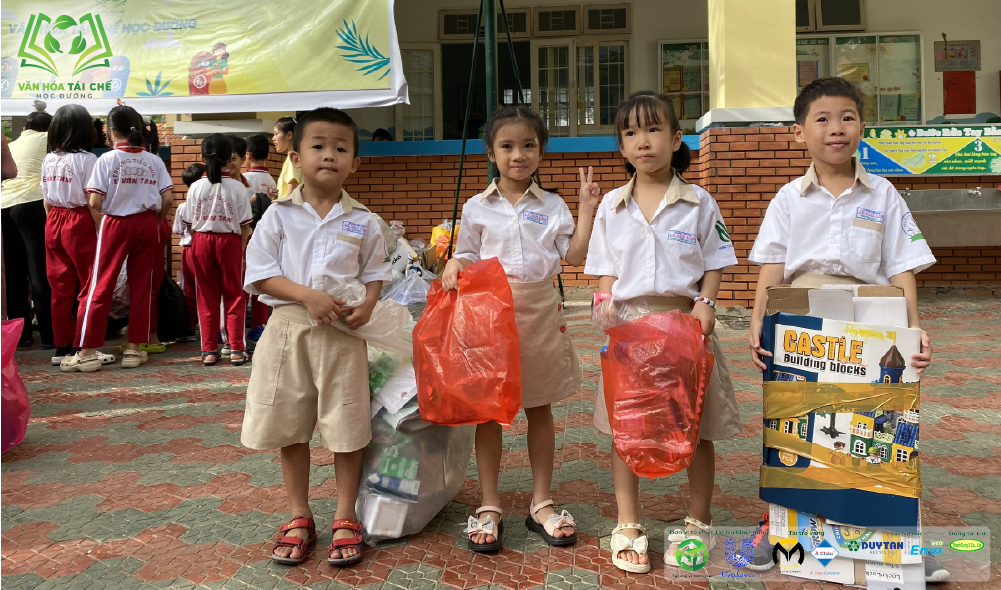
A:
(134, 358)
(548, 528)
(621, 543)
(75, 362)
(671, 557)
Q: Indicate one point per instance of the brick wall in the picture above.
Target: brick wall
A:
(741, 167)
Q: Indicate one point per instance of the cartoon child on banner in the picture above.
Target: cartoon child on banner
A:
(219, 67)
(199, 72)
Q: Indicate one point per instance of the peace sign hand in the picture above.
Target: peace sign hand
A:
(590, 192)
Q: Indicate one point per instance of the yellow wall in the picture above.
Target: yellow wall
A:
(752, 53)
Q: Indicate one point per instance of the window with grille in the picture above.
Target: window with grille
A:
(460, 24)
(557, 21)
(859, 447)
(607, 19)
(902, 455)
(830, 15)
(418, 116)
(517, 22)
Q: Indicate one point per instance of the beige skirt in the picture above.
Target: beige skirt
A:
(720, 414)
(550, 370)
(809, 280)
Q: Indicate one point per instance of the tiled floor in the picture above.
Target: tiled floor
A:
(137, 478)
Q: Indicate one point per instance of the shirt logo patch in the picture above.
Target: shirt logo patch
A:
(870, 215)
(354, 228)
(535, 217)
(680, 236)
(910, 227)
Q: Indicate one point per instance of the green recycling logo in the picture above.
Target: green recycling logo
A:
(692, 555)
(724, 235)
(92, 48)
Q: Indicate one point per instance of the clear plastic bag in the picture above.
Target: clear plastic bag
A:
(390, 326)
(608, 313)
(16, 409)
(655, 372)
(412, 289)
(466, 350)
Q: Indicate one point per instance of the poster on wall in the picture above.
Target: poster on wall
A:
(947, 150)
(187, 56)
(957, 56)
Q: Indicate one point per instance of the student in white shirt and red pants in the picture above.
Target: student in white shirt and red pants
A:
(218, 214)
(133, 190)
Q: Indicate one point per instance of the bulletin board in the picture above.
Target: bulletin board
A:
(684, 76)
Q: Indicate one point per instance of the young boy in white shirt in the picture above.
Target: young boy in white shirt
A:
(837, 223)
(304, 375)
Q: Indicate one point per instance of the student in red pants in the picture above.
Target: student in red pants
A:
(218, 214)
(190, 175)
(133, 190)
(70, 225)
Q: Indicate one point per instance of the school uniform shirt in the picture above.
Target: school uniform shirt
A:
(665, 257)
(867, 232)
(292, 241)
(289, 173)
(221, 208)
(27, 151)
(529, 238)
(131, 180)
(64, 175)
(180, 228)
(260, 181)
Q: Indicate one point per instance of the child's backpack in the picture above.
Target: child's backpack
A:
(173, 318)
(258, 207)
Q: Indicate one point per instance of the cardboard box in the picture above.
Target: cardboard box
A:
(875, 304)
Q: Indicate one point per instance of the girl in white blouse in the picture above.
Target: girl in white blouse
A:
(528, 230)
(663, 239)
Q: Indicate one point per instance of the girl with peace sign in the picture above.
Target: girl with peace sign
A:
(529, 230)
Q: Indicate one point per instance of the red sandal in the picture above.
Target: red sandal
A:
(299, 522)
(338, 544)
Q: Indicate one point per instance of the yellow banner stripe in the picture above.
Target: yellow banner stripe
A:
(785, 399)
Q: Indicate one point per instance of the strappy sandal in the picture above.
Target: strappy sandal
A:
(238, 358)
(475, 527)
(671, 555)
(132, 359)
(205, 355)
(353, 541)
(299, 522)
(546, 529)
(623, 543)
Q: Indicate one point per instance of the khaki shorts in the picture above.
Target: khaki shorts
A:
(720, 413)
(305, 376)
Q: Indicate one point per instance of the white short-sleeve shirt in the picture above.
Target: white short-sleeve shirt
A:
(220, 208)
(131, 180)
(529, 238)
(665, 257)
(261, 181)
(180, 228)
(292, 241)
(64, 176)
(867, 232)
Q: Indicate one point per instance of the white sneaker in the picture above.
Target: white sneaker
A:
(134, 358)
(75, 362)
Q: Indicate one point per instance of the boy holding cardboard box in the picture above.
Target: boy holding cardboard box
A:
(837, 224)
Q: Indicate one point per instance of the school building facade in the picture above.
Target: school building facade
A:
(732, 67)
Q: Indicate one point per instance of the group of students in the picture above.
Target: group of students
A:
(103, 213)
(659, 237)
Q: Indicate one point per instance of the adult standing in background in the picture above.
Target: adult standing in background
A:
(23, 219)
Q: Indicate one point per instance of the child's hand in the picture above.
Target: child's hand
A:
(754, 340)
(921, 360)
(450, 276)
(359, 316)
(706, 316)
(322, 307)
(590, 192)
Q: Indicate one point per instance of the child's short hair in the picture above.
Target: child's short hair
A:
(71, 130)
(286, 124)
(826, 87)
(650, 108)
(217, 150)
(381, 134)
(239, 144)
(325, 115)
(38, 121)
(259, 146)
(192, 173)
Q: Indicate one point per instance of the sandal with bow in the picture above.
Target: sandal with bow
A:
(487, 527)
(621, 543)
(554, 522)
(299, 522)
(338, 544)
(671, 555)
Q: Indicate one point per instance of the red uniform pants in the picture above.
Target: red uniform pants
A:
(70, 245)
(134, 237)
(218, 277)
(159, 270)
(188, 286)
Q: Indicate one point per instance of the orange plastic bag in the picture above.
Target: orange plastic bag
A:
(655, 371)
(466, 350)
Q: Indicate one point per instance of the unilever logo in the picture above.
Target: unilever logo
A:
(825, 552)
(39, 46)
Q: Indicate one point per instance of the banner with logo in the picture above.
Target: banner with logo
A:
(190, 56)
(948, 150)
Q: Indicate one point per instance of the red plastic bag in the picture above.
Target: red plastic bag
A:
(15, 409)
(466, 350)
(655, 371)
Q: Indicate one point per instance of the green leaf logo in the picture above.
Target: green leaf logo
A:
(79, 44)
(724, 235)
(51, 44)
(63, 22)
(38, 47)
